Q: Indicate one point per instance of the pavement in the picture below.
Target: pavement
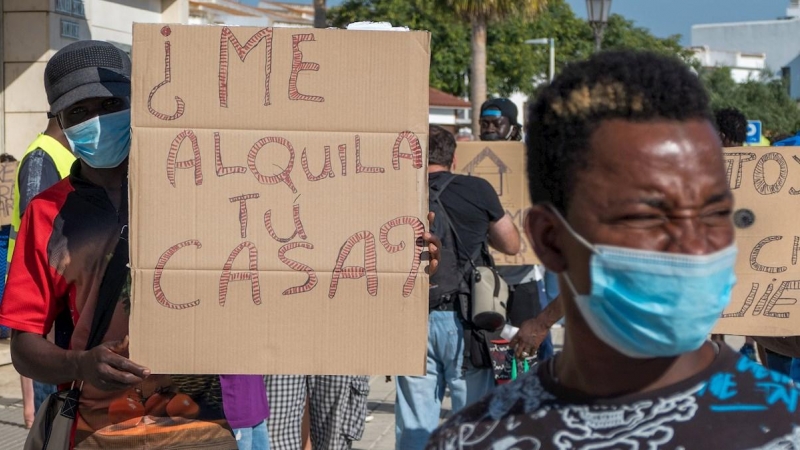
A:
(378, 433)
(12, 425)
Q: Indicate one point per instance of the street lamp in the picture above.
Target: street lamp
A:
(598, 18)
(552, 43)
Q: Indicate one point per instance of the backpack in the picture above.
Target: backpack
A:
(449, 279)
(482, 293)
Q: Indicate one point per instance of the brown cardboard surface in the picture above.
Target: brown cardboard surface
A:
(766, 185)
(8, 171)
(503, 165)
(278, 238)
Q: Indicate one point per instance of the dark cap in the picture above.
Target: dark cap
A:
(507, 108)
(86, 69)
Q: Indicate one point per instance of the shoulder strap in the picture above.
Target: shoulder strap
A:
(440, 189)
(470, 258)
(114, 279)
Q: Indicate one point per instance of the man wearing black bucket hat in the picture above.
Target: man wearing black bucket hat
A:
(70, 244)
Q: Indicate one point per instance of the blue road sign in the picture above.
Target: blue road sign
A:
(753, 132)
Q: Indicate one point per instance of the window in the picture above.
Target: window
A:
(70, 29)
(71, 7)
(64, 6)
(77, 8)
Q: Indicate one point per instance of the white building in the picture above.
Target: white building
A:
(744, 66)
(34, 30)
(266, 14)
(777, 39)
(447, 110)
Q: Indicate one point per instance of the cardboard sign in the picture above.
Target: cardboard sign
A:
(766, 187)
(8, 171)
(278, 189)
(503, 165)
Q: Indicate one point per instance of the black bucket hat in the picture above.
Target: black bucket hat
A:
(86, 69)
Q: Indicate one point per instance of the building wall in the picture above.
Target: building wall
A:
(778, 39)
(32, 34)
(112, 20)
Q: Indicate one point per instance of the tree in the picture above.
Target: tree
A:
(512, 64)
(479, 13)
(765, 99)
(320, 14)
(449, 37)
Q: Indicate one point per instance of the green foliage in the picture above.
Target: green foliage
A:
(622, 33)
(450, 45)
(512, 64)
(765, 99)
(491, 10)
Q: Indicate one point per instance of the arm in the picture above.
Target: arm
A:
(533, 331)
(34, 295)
(37, 172)
(504, 236)
(103, 366)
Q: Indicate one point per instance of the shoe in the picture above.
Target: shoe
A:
(369, 418)
(749, 351)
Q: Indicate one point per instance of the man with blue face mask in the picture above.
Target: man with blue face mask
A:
(68, 235)
(632, 209)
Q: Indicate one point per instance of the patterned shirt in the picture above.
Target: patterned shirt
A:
(66, 239)
(735, 403)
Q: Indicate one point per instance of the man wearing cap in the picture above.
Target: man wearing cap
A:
(67, 236)
(532, 287)
(499, 120)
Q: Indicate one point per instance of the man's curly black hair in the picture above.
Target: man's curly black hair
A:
(631, 85)
(732, 125)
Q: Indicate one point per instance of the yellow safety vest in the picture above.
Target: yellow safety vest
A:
(63, 159)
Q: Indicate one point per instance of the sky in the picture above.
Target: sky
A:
(668, 17)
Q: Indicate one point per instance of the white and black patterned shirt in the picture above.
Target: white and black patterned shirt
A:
(734, 404)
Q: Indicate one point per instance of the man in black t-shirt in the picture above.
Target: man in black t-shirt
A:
(475, 211)
(635, 217)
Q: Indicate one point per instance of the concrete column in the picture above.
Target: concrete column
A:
(27, 29)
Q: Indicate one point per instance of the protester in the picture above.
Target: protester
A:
(337, 408)
(632, 208)
(732, 126)
(476, 214)
(244, 400)
(732, 129)
(46, 161)
(67, 237)
(529, 292)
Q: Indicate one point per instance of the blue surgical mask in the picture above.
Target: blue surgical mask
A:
(103, 142)
(648, 304)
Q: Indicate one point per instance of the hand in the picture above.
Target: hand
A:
(434, 244)
(105, 368)
(530, 335)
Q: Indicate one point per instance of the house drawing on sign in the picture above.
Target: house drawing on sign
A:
(490, 167)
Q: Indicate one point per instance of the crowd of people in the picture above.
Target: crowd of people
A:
(631, 219)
